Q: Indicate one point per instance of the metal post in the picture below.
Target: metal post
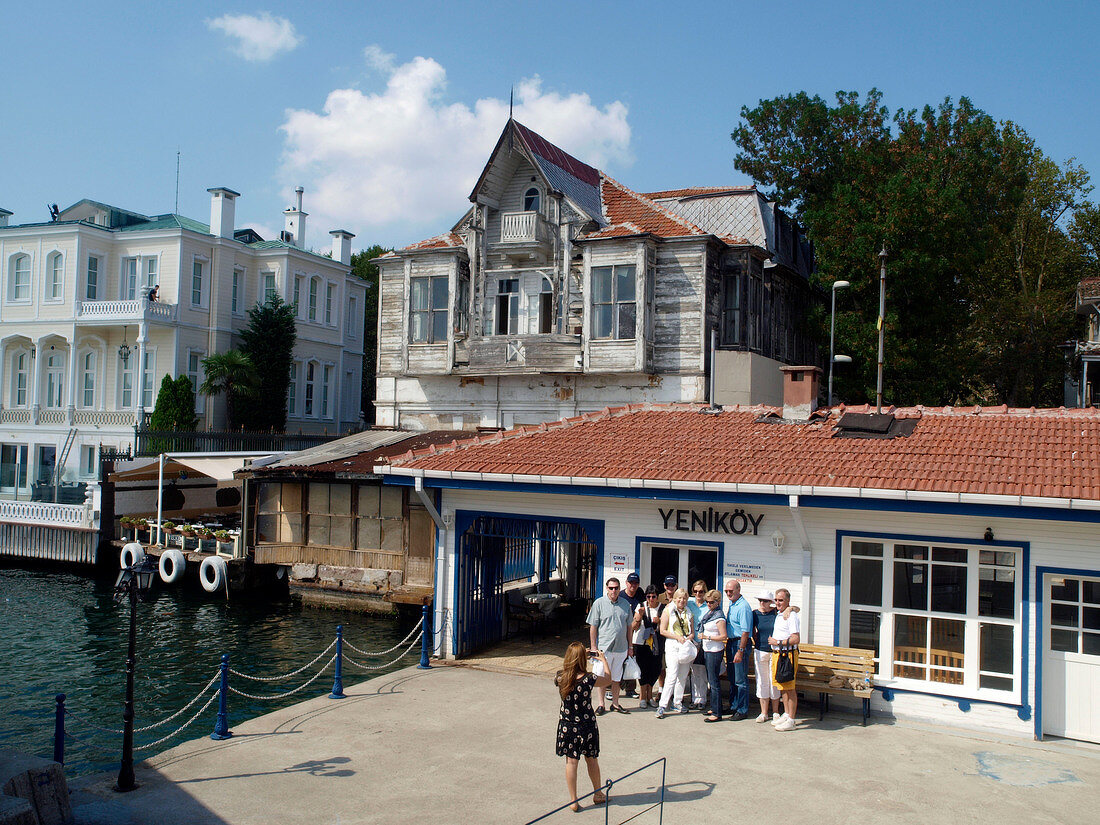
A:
(881, 326)
(59, 730)
(126, 769)
(221, 725)
(338, 680)
(425, 639)
(832, 334)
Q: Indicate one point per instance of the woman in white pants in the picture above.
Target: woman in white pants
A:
(676, 627)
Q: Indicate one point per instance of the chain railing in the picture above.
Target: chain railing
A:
(420, 634)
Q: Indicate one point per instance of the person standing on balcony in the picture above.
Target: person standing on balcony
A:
(154, 294)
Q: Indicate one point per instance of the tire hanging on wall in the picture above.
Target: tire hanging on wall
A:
(213, 573)
(172, 565)
(132, 554)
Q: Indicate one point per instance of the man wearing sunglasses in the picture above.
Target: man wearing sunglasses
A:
(739, 629)
(608, 625)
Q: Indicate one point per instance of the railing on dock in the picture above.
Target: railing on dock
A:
(420, 634)
(605, 789)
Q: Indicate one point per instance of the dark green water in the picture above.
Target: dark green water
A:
(62, 632)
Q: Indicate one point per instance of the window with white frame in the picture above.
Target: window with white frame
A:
(507, 306)
(353, 318)
(147, 371)
(428, 310)
(55, 276)
(91, 279)
(298, 296)
(87, 380)
(197, 267)
(151, 271)
(129, 278)
(941, 616)
(314, 286)
(614, 309)
(19, 378)
(531, 200)
(330, 303)
(194, 375)
(126, 370)
(311, 381)
(326, 389)
(235, 294)
(89, 464)
(269, 290)
(540, 309)
(1075, 615)
(292, 390)
(55, 379)
(19, 278)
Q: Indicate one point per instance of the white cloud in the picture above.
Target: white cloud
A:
(399, 163)
(259, 37)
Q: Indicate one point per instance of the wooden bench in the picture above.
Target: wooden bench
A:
(844, 671)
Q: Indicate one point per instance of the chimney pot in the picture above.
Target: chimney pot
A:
(296, 220)
(341, 246)
(223, 211)
(800, 385)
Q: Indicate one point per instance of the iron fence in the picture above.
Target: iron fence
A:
(154, 442)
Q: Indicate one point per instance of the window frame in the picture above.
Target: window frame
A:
(88, 378)
(54, 380)
(91, 276)
(428, 316)
(196, 377)
(330, 303)
(235, 303)
(198, 285)
(312, 299)
(55, 277)
(616, 305)
(20, 389)
(14, 273)
(269, 286)
(506, 314)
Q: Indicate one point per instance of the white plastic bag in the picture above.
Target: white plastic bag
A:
(598, 668)
(631, 669)
(687, 652)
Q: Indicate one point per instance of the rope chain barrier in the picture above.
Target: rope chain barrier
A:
(86, 723)
(302, 669)
(302, 686)
(185, 725)
(390, 650)
(401, 656)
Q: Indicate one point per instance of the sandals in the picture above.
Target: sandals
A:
(713, 718)
(601, 711)
(619, 709)
(599, 799)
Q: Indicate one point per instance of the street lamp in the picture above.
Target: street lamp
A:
(832, 335)
(132, 582)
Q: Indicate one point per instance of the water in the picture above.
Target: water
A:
(63, 632)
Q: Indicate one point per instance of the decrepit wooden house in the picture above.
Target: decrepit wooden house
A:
(561, 291)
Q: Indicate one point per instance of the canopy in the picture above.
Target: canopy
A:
(219, 466)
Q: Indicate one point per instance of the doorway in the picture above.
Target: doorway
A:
(1071, 656)
(13, 467)
(687, 562)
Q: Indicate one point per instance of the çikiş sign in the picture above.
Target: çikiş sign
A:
(737, 522)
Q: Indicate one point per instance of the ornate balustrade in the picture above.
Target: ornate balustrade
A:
(52, 416)
(103, 418)
(523, 227)
(21, 415)
(135, 310)
(43, 512)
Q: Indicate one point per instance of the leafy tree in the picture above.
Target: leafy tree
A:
(175, 406)
(234, 374)
(268, 341)
(362, 267)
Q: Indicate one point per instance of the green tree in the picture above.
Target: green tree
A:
(268, 341)
(175, 406)
(234, 374)
(363, 267)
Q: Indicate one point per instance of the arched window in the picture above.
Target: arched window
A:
(19, 285)
(20, 368)
(87, 380)
(55, 276)
(531, 200)
(55, 378)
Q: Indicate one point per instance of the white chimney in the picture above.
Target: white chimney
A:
(341, 246)
(222, 211)
(296, 221)
(4, 215)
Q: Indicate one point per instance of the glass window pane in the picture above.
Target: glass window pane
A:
(601, 284)
(910, 586)
(439, 293)
(994, 682)
(955, 555)
(947, 651)
(291, 497)
(439, 327)
(418, 294)
(626, 321)
(1090, 643)
(866, 584)
(292, 528)
(997, 593)
(867, 548)
(1091, 593)
(393, 536)
(910, 551)
(418, 327)
(1063, 615)
(948, 589)
(1063, 589)
(863, 629)
(910, 642)
(1005, 558)
(996, 648)
(624, 283)
(1090, 618)
(601, 321)
(1063, 640)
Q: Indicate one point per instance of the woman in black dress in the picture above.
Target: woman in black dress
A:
(577, 732)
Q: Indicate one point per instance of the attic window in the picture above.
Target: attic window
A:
(531, 200)
(874, 425)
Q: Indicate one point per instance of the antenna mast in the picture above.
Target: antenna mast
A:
(176, 210)
(881, 325)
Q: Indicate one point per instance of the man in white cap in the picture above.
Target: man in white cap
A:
(763, 622)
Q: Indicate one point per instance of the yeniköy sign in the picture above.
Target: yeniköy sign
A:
(737, 522)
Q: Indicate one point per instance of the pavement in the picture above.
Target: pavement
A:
(454, 743)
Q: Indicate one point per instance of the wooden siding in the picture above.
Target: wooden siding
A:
(428, 359)
(540, 353)
(391, 319)
(678, 333)
(511, 199)
(333, 556)
(612, 356)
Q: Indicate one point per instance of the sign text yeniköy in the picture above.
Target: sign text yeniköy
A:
(710, 520)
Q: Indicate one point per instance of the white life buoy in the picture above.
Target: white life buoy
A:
(212, 573)
(172, 564)
(132, 554)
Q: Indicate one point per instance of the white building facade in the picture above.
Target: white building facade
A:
(84, 347)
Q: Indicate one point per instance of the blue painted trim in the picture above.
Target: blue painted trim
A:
(720, 546)
(1040, 594)
(1025, 565)
(887, 695)
(819, 501)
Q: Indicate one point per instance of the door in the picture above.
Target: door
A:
(47, 455)
(13, 467)
(1071, 657)
(687, 563)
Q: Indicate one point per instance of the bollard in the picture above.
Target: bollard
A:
(221, 726)
(425, 640)
(338, 680)
(59, 730)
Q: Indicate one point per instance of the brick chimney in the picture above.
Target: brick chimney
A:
(341, 246)
(222, 211)
(800, 392)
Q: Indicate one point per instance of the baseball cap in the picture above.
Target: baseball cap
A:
(670, 580)
(633, 578)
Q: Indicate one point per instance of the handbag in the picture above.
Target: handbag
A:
(784, 666)
(631, 669)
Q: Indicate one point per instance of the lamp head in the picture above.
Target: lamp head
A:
(778, 539)
(840, 285)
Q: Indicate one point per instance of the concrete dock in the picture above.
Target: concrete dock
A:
(458, 744)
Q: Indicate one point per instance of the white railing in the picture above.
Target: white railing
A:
(104, 418)
(43, 512)
(52, 416)
(165, 312)
(519, 226)
(125, 310)
(16, 416)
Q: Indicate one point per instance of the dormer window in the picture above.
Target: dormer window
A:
(531, 200)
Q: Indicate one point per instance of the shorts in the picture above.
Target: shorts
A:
(615, 662)
(785, 685)
(765, 687)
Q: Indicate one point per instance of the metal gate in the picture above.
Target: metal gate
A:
(496, 550)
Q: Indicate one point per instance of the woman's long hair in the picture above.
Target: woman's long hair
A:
(573, 667)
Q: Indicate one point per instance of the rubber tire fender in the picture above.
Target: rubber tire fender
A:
(172, 565)
(213, 573)
(132, 554)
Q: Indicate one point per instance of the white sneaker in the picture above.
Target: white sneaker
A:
(778, 720)
(643, 704)
(763, 717)
(660, 712)
(786, 724)
(682, 709)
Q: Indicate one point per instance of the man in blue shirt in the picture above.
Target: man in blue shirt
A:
(739, 628)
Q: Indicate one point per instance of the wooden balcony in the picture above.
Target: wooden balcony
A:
(524, 236)
(114, 312)
(507, 354)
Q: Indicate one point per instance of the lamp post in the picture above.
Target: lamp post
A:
(132, 582)
(832, 335)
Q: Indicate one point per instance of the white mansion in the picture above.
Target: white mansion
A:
(84, 347)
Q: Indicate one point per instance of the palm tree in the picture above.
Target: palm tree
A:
(233, 373)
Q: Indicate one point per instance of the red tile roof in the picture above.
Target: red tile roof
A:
(695, 191)
(629, 213)
(448, 240)
(999, 451)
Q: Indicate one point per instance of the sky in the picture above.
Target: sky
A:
(386, 112)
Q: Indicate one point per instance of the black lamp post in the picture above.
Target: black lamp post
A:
(132, 582)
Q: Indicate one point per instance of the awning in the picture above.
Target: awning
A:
(210, 465)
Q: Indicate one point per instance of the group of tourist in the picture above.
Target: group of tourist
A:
(679, 642)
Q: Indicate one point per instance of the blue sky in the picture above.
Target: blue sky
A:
(386, 112)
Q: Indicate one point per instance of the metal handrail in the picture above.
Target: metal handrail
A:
(606, 789)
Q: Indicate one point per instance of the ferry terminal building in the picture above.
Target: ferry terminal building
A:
(961, 545)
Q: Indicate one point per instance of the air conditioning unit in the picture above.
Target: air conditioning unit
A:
(286, 237)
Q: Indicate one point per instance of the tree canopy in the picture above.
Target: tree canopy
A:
(234, 374)
(175, 406)
(973, 218)
(268, 342)
(363, 267)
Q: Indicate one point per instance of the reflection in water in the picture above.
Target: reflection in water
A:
(63, 633)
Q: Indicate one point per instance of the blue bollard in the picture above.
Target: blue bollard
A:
(59, 730)
(221, 726)
(425, 640)
(338, 681)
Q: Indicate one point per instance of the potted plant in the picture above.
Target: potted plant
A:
(223, 537)
(186, 530)
(168, 527)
